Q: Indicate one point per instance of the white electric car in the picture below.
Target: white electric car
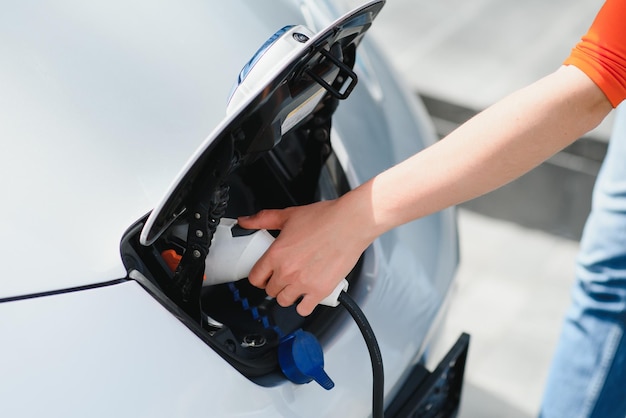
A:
(130, 136)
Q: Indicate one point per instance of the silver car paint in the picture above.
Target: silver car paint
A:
(101, 106)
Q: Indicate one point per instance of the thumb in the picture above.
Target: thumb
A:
(265, 219)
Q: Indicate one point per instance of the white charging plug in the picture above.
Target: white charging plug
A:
(332, 299)
(232, 257)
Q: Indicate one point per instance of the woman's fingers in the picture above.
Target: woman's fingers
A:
(271, 219)
(306, 305)
(261, 272)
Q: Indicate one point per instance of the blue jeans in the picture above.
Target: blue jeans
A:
(588, 373)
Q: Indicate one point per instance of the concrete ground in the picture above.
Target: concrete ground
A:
(513, 281)
(513, 290)
(474, 52)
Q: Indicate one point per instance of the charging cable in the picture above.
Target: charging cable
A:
(378, 376)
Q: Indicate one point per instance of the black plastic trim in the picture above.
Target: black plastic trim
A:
(435, 394)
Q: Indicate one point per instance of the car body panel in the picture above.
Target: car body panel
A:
(102, 105)
(133, 358)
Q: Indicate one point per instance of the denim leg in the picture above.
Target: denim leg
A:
(588, 373)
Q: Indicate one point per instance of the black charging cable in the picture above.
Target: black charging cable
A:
(378, 387)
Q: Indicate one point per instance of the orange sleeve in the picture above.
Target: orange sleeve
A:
(601, 54)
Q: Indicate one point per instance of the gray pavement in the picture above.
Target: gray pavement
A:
(513, 282)
(512, 291)
(474, 52)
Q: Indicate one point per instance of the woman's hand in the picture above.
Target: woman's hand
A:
(317, 247)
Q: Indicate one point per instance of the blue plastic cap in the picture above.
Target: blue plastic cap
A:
(301, 359)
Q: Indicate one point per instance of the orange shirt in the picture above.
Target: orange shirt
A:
(601, 54)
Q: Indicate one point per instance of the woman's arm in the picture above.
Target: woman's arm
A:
(496, 146)
(319, 244)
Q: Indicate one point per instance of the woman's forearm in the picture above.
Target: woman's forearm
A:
(496, 146)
